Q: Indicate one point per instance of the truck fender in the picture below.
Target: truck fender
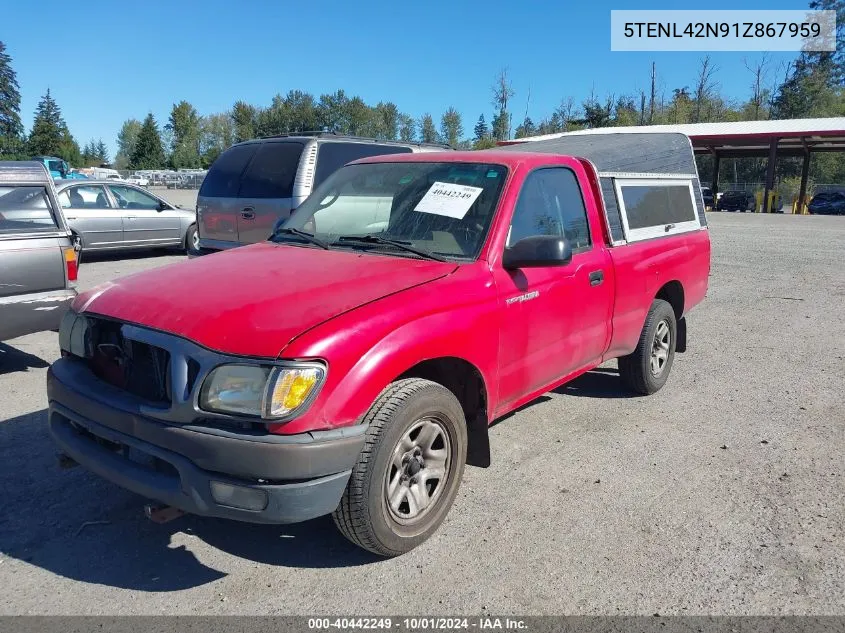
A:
(431, 339)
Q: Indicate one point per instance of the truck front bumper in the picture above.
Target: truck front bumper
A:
(211, 472)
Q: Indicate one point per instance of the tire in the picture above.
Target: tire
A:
(192, 239)
(364, 515)
(636, 368)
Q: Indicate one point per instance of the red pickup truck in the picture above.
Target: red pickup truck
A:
(351, 364)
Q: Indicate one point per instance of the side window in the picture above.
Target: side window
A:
(655, 208)
(224, 175)
(333, 156)
(550, 203)
(24, 210)
(271, 173)
(131, 198)
(84, 197)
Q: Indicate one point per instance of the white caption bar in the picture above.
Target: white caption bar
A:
(712, 30)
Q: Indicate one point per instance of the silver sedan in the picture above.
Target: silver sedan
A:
(107, 215)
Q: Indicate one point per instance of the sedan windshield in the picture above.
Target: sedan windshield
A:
(440, 210)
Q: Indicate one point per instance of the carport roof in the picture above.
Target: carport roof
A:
(741, 138)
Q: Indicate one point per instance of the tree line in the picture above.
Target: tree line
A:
(812, 86)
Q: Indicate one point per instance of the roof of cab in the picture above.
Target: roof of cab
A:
(28, 171)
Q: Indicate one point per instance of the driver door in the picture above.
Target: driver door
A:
(555, 318)
(145, 222)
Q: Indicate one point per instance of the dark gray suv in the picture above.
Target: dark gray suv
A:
(38, 263)
(254, 184)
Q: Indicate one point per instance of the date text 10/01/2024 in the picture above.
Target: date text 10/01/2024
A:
(420, 623)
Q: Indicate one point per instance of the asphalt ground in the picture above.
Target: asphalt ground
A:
(721, 494)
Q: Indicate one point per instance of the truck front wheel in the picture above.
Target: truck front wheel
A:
(409, 471)
(647, 368)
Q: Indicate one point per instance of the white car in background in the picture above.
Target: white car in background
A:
(141, 181)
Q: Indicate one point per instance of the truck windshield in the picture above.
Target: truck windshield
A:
(441, 208)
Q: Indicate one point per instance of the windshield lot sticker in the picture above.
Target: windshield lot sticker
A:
(446, 198)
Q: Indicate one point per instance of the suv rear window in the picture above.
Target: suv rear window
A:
(272, 171)
(224, 176)
(24, 210)
(333, 156)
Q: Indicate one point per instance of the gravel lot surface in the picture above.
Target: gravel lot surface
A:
(722, 494)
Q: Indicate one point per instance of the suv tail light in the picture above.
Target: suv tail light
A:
(71, 263)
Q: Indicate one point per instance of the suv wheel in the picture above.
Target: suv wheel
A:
(409, 471)
(647, 368)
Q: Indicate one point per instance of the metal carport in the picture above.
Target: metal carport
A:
(747, 139)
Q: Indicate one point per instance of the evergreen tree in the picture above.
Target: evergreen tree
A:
(11, 129)
(48, 128)
(148, 152)
(481, 130)
(89, 157)
(101, 151)
(527, 128)
(501, 125)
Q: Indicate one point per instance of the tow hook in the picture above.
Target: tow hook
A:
(66, 461)
(158, 513)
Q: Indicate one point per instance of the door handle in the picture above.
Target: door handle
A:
(248, 214)
(131, 217)
(596, 277)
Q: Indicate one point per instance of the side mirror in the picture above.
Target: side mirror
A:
(538, 251)
(162, 206)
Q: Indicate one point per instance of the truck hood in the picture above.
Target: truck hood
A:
(254, 300)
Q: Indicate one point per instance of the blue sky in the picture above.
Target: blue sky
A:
(104, 64)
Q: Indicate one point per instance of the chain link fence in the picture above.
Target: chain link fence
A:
(160, 178)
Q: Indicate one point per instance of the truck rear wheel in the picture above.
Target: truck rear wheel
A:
(409, 471)
(647, 368)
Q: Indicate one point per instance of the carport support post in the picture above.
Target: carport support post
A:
(770, 175)
(714, 184)
(805, 173)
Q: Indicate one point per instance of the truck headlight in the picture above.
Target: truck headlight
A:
(259, 391)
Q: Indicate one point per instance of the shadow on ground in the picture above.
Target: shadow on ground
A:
(13, 359)
(601, 382)
(76, 525)
(121, 255)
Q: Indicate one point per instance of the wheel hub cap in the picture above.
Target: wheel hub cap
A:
(418, 471)
(660, 348)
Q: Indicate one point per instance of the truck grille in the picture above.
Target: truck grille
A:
(138, 368)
